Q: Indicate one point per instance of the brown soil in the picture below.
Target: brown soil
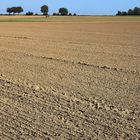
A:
(70, 80)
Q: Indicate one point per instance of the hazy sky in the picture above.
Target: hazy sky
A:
(75, 6)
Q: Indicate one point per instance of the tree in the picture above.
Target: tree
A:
(9, 10)
(136, 11)
(44, 10)
(18, 9)
(29, 13)
(15, 10)
(130, 12)
(63, 11)
(54, 14)
(124, 13)
(119, 13)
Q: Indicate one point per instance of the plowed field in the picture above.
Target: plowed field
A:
(70, 80)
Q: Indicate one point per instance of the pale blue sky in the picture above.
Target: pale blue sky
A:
(95, 7)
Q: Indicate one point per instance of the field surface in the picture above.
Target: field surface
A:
(69, 78)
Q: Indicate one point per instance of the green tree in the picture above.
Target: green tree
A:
(45, 10)
(124, 13)
(18, 9)
(63, 11)
(13, 10)
(9, 10)
(119, 13)
(139, 11)
(130, 12)
(136, 10)
(29, 13)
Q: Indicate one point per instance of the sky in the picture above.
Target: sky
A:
(81, 7)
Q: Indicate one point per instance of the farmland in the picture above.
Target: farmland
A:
(69, 77)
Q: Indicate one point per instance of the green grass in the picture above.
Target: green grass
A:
(90, 19)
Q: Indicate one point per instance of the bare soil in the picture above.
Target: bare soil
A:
(72, 80)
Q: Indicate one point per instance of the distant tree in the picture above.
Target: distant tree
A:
(9, 10)
(15, 10)
(18, 9)
(54, 14)
(119, 13)
(44, 10)
(130, 12)
(29, 13)
(136, 11)
(139, 11)
(63, 11)
(124, 13)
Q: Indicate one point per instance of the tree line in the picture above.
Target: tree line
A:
(131, 12)
(44, 9)
(14, 10)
